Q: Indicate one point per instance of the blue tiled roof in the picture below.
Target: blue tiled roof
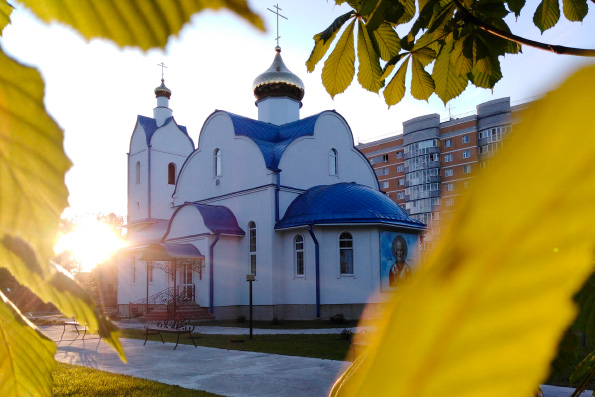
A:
(345, 203)
(150, 233)
(273, 139)
(219, 219)
(150, 126)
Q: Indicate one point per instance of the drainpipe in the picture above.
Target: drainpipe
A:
(317, 254)
(149, 174)
(211, 272)
(277, 189)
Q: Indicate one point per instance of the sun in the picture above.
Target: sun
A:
(91, 242)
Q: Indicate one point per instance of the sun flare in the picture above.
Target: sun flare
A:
(91, 242)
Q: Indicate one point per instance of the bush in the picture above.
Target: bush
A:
(276, 321)
(338, 318)
(241, 319)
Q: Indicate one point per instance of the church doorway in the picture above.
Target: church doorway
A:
(187, 287)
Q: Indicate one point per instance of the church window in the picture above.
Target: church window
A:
(332, 162)
(171, 174)
(217, 158)
(299, 255)
(252, 234)
(137, 172)
(346, 253)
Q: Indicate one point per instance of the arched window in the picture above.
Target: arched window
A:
(252, 234)
(332, 162)
(137, 172)
(346, 253)
(217, 162)
(299, 254)
(171, 174)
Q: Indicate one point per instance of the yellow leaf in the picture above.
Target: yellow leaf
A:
(32, 162)
(57, 287)
(369, 70)
(146, 24)
(26, 355)
(338, 69)
(395, 90)
(484, 315)
(5, 11)
(422, 84)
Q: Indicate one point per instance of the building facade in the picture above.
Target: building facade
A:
(287, 200)
(432, 162)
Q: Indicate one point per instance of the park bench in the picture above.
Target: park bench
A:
(177, 327)
(76, 326)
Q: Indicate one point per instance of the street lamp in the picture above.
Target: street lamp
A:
(250, 278)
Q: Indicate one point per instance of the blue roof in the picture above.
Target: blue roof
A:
(219, 219)
(272, 139)
(345, 203)
(150, 126)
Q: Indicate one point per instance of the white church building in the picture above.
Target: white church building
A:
(288, 200)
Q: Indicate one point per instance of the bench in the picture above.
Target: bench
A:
(178, 327)
(76, 326)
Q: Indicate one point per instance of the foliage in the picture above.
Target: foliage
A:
(460, 41)
(32, 169)
(338, 318)
(484, 314)
(73, 380)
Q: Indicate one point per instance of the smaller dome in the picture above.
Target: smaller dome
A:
(162, 90)
(278, 80)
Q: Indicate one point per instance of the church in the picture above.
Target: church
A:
(289, 203)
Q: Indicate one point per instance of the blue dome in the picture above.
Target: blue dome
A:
(345, 203)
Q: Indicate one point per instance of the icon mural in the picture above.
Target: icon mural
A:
(398, 252)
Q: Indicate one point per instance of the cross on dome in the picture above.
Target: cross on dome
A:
(278, 15)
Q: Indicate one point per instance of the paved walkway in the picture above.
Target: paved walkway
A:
(225, 372)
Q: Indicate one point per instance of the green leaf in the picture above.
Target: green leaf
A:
(5, 11)
(547, 15)
(584, 367)
(26, 355)
(391, 12)
(141, 23)
(490, 9)
(486, 73)
(369, 70)
(449, 84)
(338, 69)
(57, 287)
(575, 10)
(462, 55)
(479, 319)
(509, 47)
(424, 55)
(390, 65)
(387, 41)
(395, 90)
(422, 85)
(516, 6)
(324, 39)
(32, 162)
(368, 7)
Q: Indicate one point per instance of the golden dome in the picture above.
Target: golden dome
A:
(278, 80)
(162, 90)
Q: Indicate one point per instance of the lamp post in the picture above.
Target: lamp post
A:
(250, 278)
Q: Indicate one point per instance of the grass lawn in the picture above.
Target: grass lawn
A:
(331, 347)
(281, 324)
(73, 380)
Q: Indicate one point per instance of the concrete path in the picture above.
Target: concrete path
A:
(225, 372)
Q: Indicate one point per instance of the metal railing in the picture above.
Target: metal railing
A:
(170, 297)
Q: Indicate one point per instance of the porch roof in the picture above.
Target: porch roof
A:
(169, 251)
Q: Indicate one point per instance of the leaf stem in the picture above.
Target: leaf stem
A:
(556, 49)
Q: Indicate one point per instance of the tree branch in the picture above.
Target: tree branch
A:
(556, 49)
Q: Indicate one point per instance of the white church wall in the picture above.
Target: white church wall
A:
(242, 164)
(138, 186)
(278, 110)
(330, 132)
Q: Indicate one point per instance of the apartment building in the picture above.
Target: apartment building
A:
(432, 162)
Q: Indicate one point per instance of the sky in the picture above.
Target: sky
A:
(95, 90)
